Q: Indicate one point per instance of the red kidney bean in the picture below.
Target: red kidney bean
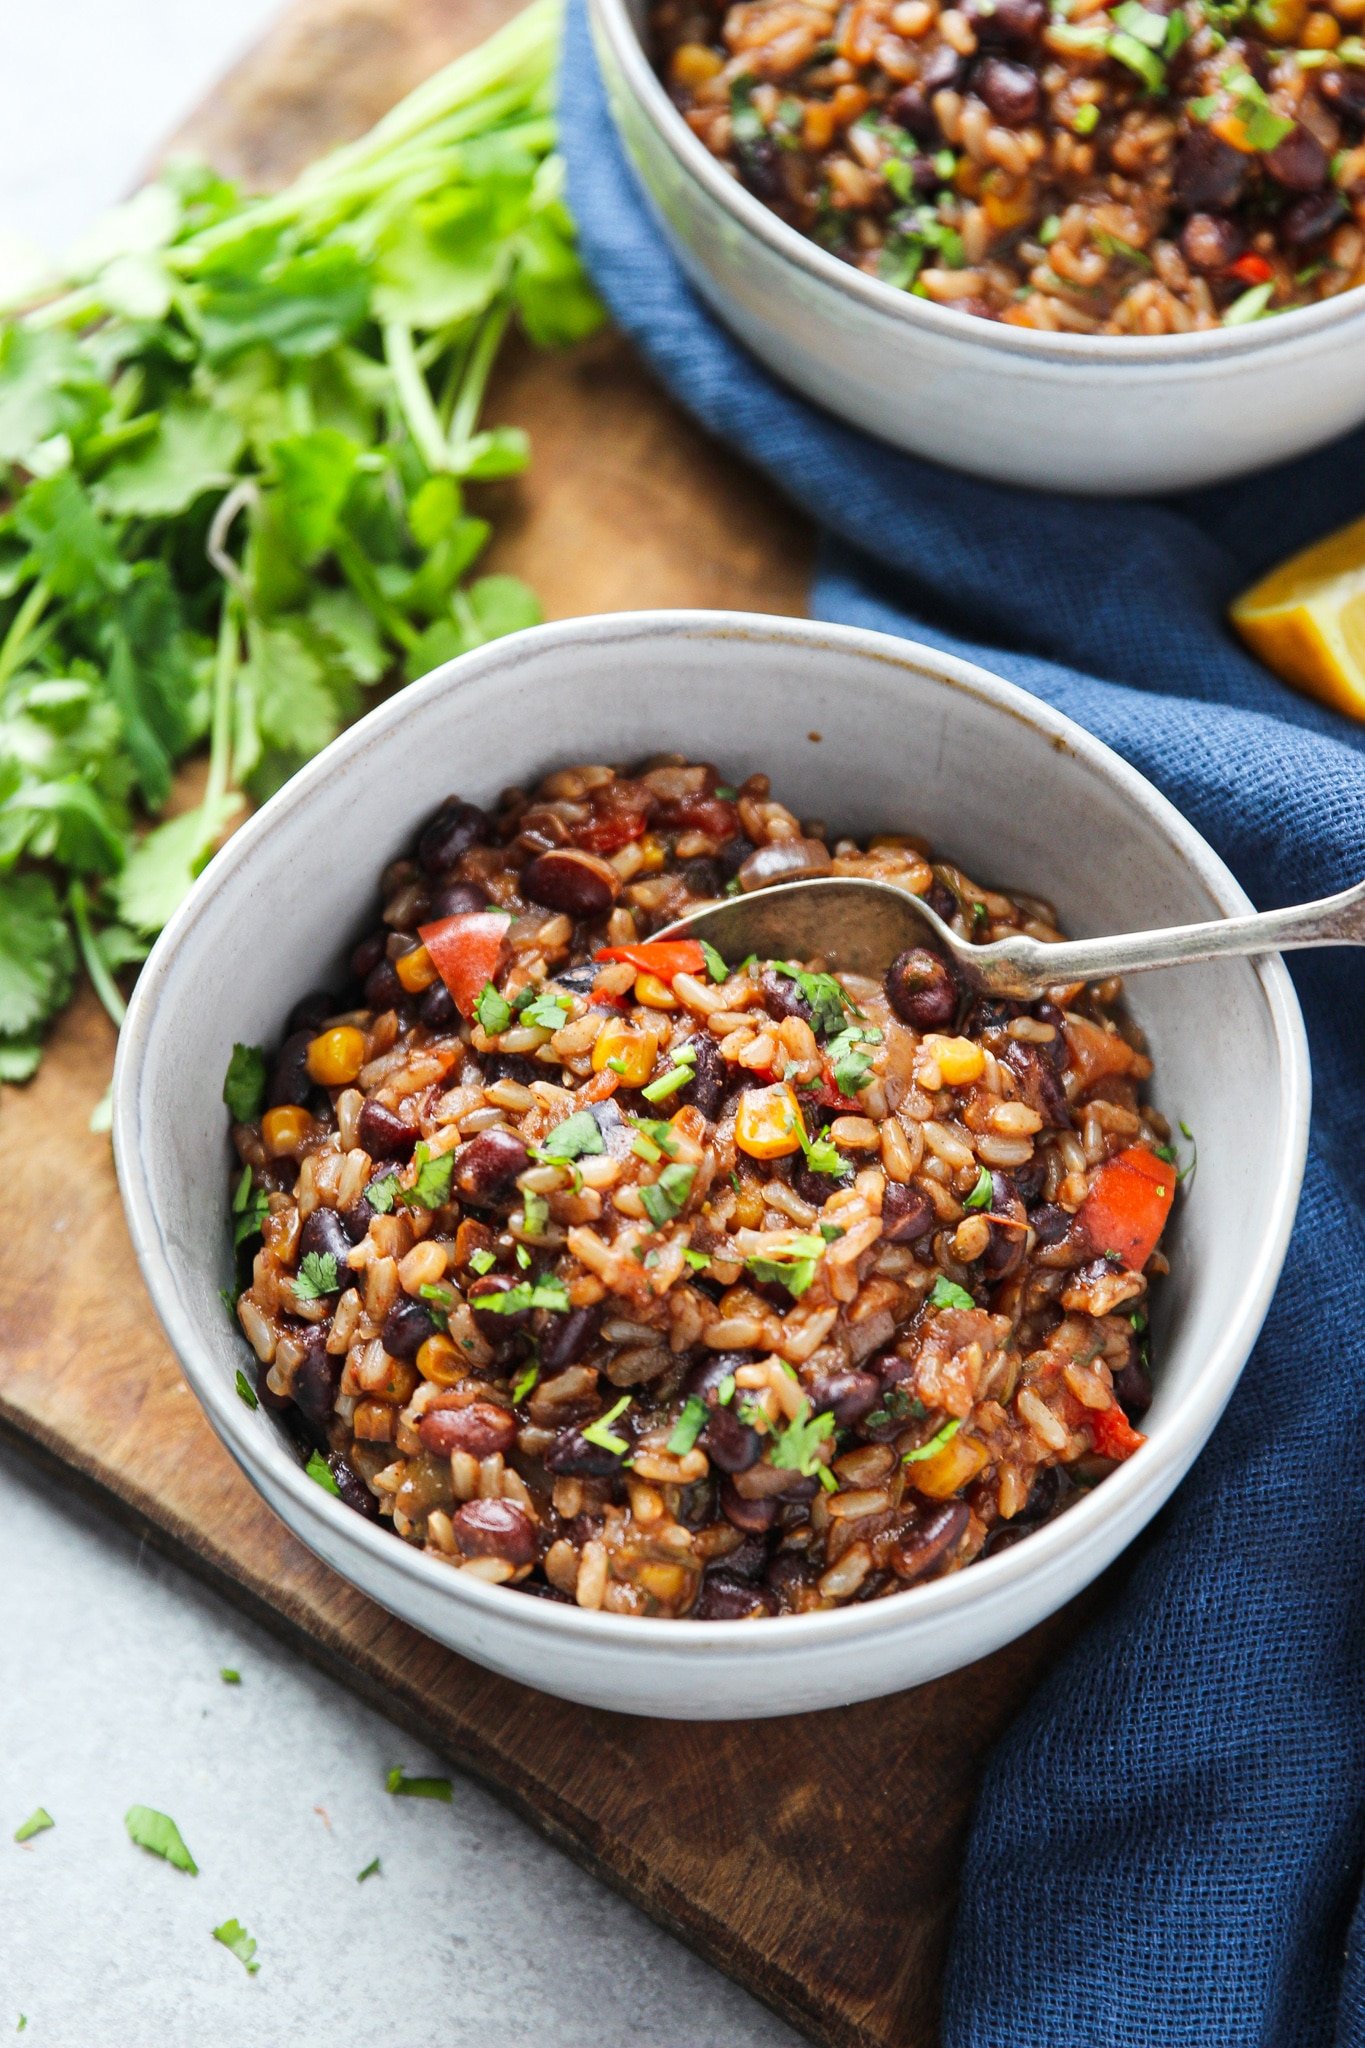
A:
(1210, 242)
(1208, 175)
(574, 1457)
(312, 1011)
(495, 1528)
(456, 827)
(357, 1219)
(325, 1233)
(1299, 162)
(729, 1443)
(277, 1403)
(907, 1212)
(564, 1339)
(1039, 1083)
(753, 1516)
(290, 1080)
(920, 989)
(352, 1488)
(580, 884)
(1308, 219)
(922, 1548)
(1011, 91)
(1005, 1252)
(847, 1396)
(316, 1382)
(706, 1093)
(384, 1135)
(725, 1598)
(455, 899)
(405, 1328)
(487, 1167)
(480, 1427)
(1345, 92)
(786, 860)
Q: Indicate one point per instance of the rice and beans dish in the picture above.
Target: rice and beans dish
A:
(603, 1268)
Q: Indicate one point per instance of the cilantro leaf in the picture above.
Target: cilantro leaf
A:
(667, 1196)
(492, 1010)
(849, 1058)
(37, 954)
(981, 1195)
(245, 1391)
(36, 1824)
(371, 1869)
(239, 1943)
(317, 1276)
(947, 1294)
(578, 1137)
(159, 1835)
(549, 1011)
(320, 1472)
(381, 1194)
(432, 1185)
(795, 1447)
(404, 1787)
(244, 1083)
(688, 1426)
(791, 1262)
(822, 1155)
(550, 1294)
(715, 966)
(823, 993)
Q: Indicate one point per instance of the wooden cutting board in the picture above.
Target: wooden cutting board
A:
(814, 1859)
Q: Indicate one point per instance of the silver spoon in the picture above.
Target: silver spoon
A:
(862, 925)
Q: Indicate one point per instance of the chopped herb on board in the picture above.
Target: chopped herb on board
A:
(159, 1835)
(405, 1787)
(372, 1869)
(37, 1823)
(239, 1943)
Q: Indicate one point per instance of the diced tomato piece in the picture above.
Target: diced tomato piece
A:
(664, 957)
(609, 831)
(467, 951)
(712, 815)
(1126, 1209)
(1251, 269)
(1113, 1434)
(599, 1088)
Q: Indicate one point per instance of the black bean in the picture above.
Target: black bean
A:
(1345, 92)
(1308, 219)
(455, 899)
(495, 1528)
(383, 990)
(1011, 91)
(729, 1443)
(705, 1377)
(760, 169)
(481, 1428)
(920, 989)
(405, 1328)
(437, 1008)
(907, 1212)
(1039, 1083)
(498, 1328)
(1050, 1223)
(577, 981)
(487, 1166)
(1210, 241)
(1005, 1252)
(926, 1546)
(816, 1188)
(1133, 1385)
(706, 1092)
(1208, 175)
(277, 1403)
(782, 997)
(357, 1219)
(368, 954)
(510, 1066)
(326, 1234)
(290, 1080)
(753, 1516)
(316, 1381)
(1030, 1180)
(572, 1456)
(731, 856)
(617, 1135)
(701, 877)
(564, 1339)
(910, 109)
(456, 827)
(383, 1134)
(352, 1488)
(311, 1012)
(847, 1396)
(726, 1598)
(749, 1560)
(580, 884)
(1009, 24)
(1299, 162)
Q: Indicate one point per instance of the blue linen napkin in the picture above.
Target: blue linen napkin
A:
(1168, 1844)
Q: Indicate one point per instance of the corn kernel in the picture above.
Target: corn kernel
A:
(336, 1057)
(416, 970)
(1320, 32)
(959, 1060)
(284, 1130)
(664, 1581)
(653, 854)
(626, 1050)
(653, 993)
(693, 64)
(373, 1421)
(769, 1125)
(948, 1471)
(438, 1360)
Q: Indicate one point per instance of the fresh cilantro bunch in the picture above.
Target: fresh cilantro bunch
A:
(235, 457)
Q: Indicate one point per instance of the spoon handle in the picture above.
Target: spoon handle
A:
(1333, 921)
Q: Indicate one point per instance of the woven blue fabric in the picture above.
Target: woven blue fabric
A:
(1167, 1850)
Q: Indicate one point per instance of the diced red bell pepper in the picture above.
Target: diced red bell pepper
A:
(599, 1088)
(1250, 269)
(662, 957)
(609, 831)
(1113, 1434)
(466, 952)
(1126, 1209)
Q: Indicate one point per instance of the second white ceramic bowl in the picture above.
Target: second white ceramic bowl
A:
(1068, 412)
(868, 733)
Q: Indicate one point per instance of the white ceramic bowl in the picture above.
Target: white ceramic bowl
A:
(867, 732)
(1070, 412)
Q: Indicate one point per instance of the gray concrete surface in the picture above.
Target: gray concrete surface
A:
(475, 1932)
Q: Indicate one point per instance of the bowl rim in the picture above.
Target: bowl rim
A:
(1174, 1442)
(1210, 348)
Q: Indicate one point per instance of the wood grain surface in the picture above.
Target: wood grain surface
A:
(814, 1859)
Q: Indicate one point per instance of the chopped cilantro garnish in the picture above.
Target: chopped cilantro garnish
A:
(432, 1185)
(726, 1390)
(244, 1083)
(578, 1137)
(789, 110)
(791, 1262)
(688, 1426)
(1049, 230)
(1148, 27)
(440, 1301)
(831, 1232)
(371, 1869)
(483, 1260)
(1187, 1173)
(746, 123)
(682, 1072)
(715, 966)
(229, 1676)
(601, 1432)
(936, 1442)
(947, 1294)
(980, 1196)
(548, 1011)
(822, 1154)
(37, 1823)
(405, 1787)
(235, 1938)
(535, 1214)
(1127, 50)
(250, 1207)
(823, 993)
(245, 1391)
(320, 1472)
(383, 1193)
(526, 1382)
(523, 1258)
(850, 1060)
(698, 1261)
(549, 1293)
(794, 1448)
(317, 1275)
(1086, 119)
(158, 1833)
(945, 164)
(1252, 305)
(668, 1194)
(492, 1010)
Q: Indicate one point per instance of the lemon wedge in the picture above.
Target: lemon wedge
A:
(1306, 620)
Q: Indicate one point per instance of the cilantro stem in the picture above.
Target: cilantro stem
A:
(357, 572)
(226, 662)
(14, 645)
(473, 383)
(101, 980)
(414, 397)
